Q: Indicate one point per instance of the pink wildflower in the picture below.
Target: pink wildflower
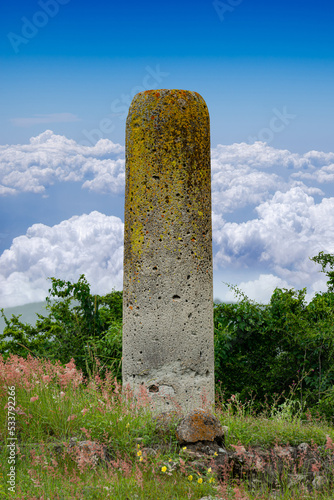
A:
(19, 411)
(329, 443)
(239, 449)
(315, 467)
(34, 398)
(71, 417)
(87, 433)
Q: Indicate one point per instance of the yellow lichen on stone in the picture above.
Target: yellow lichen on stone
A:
(168, 166)
(137, 237)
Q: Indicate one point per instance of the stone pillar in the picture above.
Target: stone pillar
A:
(168, 291)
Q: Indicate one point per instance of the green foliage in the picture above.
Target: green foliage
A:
(108, 349)
(285, 347)
(21, 338)
(326, 403)
(326, 259)
(79, 325)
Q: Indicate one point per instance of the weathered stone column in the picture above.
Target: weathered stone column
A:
(168, 289)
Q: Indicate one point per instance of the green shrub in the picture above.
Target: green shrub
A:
(79, 325)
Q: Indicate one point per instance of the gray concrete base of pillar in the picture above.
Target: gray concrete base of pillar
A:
(174, 387)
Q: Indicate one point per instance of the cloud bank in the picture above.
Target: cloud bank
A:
(290, 228)
(246, 173)
(51, 158)
(87, 244)
(269, 213)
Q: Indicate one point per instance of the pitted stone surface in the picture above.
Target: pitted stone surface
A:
(167, 290)
(199, 425)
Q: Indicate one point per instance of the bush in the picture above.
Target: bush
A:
(79, 325)
(286, 347)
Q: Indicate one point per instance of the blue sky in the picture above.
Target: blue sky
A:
(265, 70)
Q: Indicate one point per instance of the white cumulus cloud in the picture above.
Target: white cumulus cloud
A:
(50, 158)
(87, 244)
(290, 228)
(259, 289)
(283, 222)
(248, 174)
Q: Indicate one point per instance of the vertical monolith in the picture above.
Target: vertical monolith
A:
(168, 292)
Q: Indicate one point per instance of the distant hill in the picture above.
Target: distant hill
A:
(28, 312)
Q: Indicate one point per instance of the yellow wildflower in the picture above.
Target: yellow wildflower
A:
(209, 470)
(163, 469)
(200, 480)
(138, 453)
(190, 478)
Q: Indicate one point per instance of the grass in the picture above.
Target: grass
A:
(56, 409)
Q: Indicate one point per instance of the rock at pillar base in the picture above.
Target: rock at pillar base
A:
(199, 425)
